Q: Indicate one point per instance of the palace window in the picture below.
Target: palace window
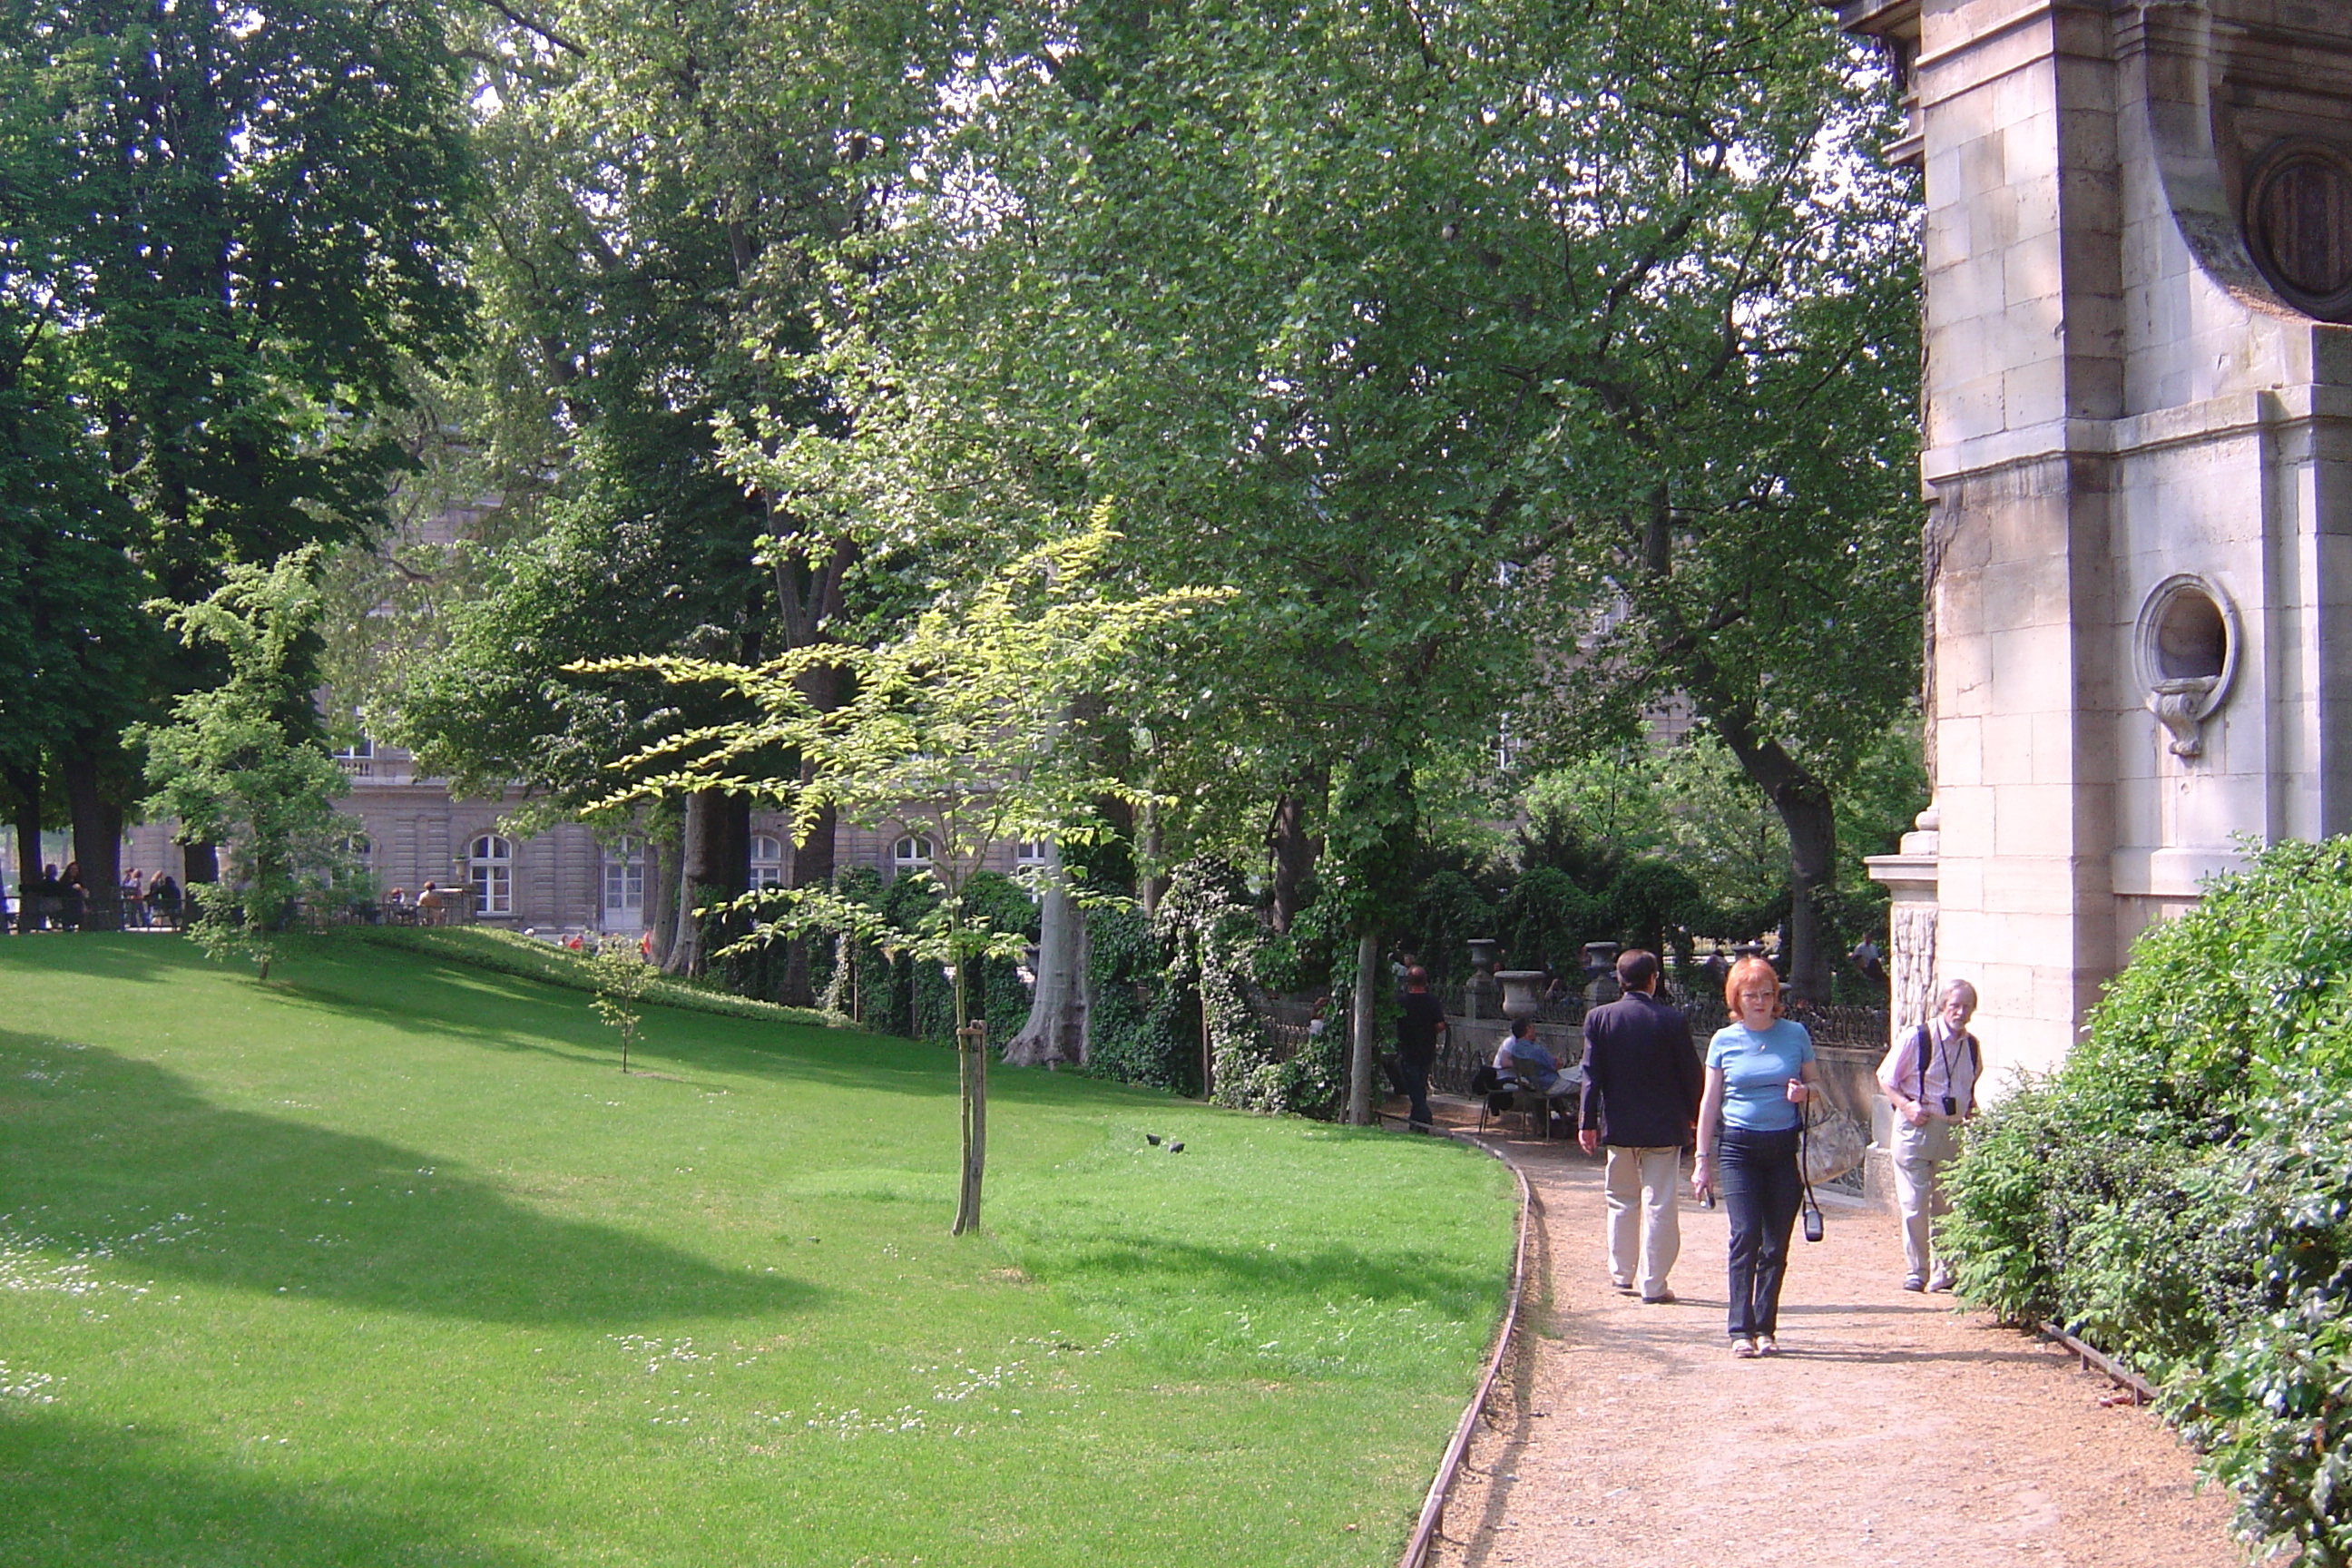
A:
(489, 872)
(767, 861)
(624, 875)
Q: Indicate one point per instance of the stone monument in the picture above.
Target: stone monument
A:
(2138, 468)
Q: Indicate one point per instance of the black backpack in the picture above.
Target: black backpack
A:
(1923, 1052)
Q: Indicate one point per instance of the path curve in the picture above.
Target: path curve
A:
(1892, 1431)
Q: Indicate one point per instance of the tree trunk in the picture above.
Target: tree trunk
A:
(1150, 883)
(96, 840)
(1056, 1029)
(813, 860)
(812, 863)
(661, 901)
(971, 1075)
(711, 838)
(1360, 1057)
(1803, 804)
(1292, 851)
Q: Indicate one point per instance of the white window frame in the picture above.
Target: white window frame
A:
(624, 874)
(911, 853)
(489, 874)
(768, 867)
(1032, 855)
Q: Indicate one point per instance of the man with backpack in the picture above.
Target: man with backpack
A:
(1930, 1079)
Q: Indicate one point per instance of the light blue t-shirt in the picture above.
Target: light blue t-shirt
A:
(1756, 1073)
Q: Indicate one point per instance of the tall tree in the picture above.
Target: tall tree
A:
(666, 186)
(1445, 335)
(263, 202)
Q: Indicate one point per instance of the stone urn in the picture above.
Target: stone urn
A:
(1485, 954)
(1523, 992)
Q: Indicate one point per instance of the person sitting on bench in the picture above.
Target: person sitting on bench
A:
(1522, 1057)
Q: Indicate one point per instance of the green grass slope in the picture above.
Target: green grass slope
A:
(387, 1264)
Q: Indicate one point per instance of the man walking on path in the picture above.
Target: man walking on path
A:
(1642, 1088)
(1418, 1028)
(1930, 1079)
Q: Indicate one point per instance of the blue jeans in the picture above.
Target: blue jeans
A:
(1757, 1173)
(1413, 1076)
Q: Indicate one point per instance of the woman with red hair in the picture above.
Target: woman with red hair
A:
(1760, 1073)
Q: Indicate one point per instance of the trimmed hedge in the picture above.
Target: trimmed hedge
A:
(2179, 1192)
(507, 953)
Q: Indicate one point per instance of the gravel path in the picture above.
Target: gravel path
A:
(1891, 1431)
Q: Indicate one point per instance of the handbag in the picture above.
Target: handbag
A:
(1833, 1145)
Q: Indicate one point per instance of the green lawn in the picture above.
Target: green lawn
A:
(386, 1263)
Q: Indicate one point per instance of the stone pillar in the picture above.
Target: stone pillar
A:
(1910, 876)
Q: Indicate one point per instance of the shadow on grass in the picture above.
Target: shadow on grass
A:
(1336, 1272)
(150, 956)
(74, 1494)
(444, 997)
(99, 1161)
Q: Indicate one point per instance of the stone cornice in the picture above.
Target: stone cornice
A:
(2215, 419)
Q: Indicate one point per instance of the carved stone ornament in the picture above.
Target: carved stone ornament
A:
(2187, 642)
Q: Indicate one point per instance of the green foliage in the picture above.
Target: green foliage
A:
(623, 979)
(1547, 918)
(1448, 912)
(2179, 1192)
(956, 730)
(247, 765)
(1132, 1035)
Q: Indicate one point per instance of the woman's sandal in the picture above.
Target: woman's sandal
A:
(1768, 1345)
(1745, 1348)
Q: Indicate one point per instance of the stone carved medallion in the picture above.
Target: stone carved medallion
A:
(2299, 225)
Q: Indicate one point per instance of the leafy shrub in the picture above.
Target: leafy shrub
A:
(1448, 912)
(1131, 1036)
(1548, 918)
(2179, 1192)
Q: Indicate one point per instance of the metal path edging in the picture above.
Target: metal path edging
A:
(1432, 1509)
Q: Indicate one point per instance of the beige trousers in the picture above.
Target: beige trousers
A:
(1921, 1155)
(1645, 1226)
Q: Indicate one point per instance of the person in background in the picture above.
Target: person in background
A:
(1930, 1079)
(1760, 1074)
(1643, 1086)
(1523, 1056)
(163, 899)
(134, 900)
(1420, 1027)
(72, 895)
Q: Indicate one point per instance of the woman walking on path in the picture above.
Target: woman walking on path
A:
(1760, 1073)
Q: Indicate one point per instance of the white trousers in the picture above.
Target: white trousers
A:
(1645, 1226)
(1921, 1155)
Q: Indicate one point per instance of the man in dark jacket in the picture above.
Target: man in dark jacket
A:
(1642, 1090)
(1419, 1027)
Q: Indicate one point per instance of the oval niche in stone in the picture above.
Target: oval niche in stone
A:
(2187, 642)
(2299, 225)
